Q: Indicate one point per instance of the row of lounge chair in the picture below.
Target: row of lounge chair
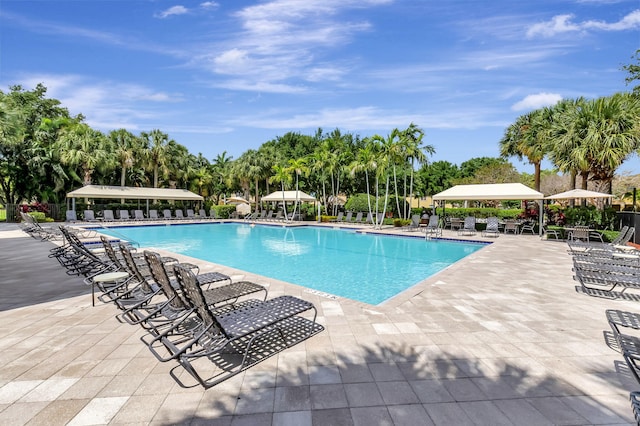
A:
(360, 218)
(212, 327)
(609, 270)
(603, 268)
(265, 215)
(138, 215)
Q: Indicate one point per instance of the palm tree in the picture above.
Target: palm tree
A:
(156, 153)
(412, 137)
(126, 149)
(221, 170)
(86, 148)
(250, 167)
(283, 175)
(528, 137)
(320, 162)
(609, 130)
(298, 167)
(366, 161)
(561, 145)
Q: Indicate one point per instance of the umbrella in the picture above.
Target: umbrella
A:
(236, 200)
(578, 193)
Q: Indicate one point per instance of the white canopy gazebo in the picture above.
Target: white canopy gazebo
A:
(493, 191)
(578, 194)
(288, 196)
(131, 193)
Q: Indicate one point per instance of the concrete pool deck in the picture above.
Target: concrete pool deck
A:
(501, 337)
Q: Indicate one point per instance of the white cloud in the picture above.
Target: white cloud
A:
(282, 39)
(209, 5)
(536, 101)
(173, 10)
(107, 105)
(630, 21)
(560, 24)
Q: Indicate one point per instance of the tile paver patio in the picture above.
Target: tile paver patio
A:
(502, 337)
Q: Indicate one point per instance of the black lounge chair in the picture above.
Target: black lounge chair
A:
(234, 340)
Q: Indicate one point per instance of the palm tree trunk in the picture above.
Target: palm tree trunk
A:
(395, 183)
(536, 172)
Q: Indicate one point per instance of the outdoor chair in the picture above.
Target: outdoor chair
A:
(153, 214)
(369, 219)
(235, 340)
(433, 228)
(339, 217)
(202, 214)
(579, 232)
(138, 215)
(415, 223)
(469, 227)
(492, 227)
(142, 291)
(179, 214)
(89, 216)
(548, 233)
(213, 214)
(190, 214)
(71, 216)
(510, 225)
(166, 214)
(107, 216)
(269, 215)
(634, 397)
(358, 218)
(349, 217)
(528, 226)
(124, 215)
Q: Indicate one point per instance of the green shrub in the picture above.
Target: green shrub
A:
(224, 212)
(591, 216)
(40, 217)
(479, 212)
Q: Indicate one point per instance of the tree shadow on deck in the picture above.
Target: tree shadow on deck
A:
(404, 385)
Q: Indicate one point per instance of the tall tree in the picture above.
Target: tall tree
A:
(155, 153)
(298, 167)
(86, 148)
(529, 137)
(127, 150)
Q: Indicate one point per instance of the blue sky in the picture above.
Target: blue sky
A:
(229, 75)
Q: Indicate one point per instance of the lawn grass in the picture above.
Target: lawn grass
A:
(3, 215)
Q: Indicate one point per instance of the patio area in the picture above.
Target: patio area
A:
(500, 338)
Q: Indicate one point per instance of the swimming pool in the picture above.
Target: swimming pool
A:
(365, 267)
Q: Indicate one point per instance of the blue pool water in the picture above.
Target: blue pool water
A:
(365, 267)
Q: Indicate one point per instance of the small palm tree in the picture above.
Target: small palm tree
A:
(283, 175)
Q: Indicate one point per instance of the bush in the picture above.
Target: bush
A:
(224, 212)
(40, 217)
(479, 212)
(592, 217)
